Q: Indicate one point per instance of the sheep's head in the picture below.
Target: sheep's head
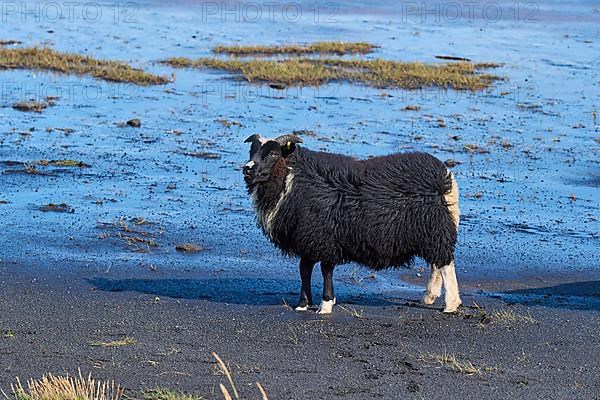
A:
(265, 154)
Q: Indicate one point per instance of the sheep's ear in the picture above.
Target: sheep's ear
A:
(288, 148)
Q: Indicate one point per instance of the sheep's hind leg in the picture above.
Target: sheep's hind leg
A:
(452, 298)
(434, 286)
(328, 301)
(306, 269)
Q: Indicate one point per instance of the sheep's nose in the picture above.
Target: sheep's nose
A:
(247, 168)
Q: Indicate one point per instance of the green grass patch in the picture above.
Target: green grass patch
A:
(378, 73)
(167, 394)
(7, 334)
(337, 48)
(45, 59)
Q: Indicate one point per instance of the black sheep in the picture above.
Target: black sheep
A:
(334, 209)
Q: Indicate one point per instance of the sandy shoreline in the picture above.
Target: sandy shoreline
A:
(363, 352)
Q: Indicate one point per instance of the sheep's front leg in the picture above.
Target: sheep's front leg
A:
(306, 269)
(328, 296)
(434, 286)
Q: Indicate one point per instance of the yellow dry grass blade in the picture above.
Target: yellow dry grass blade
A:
(225, 392)
(262, 391)
(225, 371)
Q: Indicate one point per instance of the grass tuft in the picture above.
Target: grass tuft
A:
(138, 233)
(52, 387)
(30, 106)
(377, 73)
(337, 48)
(358, 313)
(7, 334)
(455, 363)
(167, 394)
(45, 59)
(511, 317)
(60, 208)
(128, 341)
(63, 163)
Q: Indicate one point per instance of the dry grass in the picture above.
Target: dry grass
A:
(63, 163)
(510, 317)
(128, 341)
(28, 169)
(224, 391)
(227, 373)
(353, 311)
(475, 149)
(206, 155)
(378, 73)
(337, 48)
(9, 42)
(60, 208)
(52, 387)
(455, 363)
(45, 59)
(138, 233)
(188, 248)
(293, 335)
(167, 394)
(31, 168)
(30, 106)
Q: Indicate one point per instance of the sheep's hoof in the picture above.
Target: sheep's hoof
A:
(450, 309)
(326, 307)
(301, 308)
(429, 298)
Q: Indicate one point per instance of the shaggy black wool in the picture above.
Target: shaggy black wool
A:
(380, 212)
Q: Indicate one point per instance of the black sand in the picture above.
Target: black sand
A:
(550, 352)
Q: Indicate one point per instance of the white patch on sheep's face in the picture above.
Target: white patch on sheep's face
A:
(265, 217)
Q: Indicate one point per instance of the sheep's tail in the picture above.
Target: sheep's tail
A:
(451, 199)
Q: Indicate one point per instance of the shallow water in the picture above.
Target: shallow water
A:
(530, 204)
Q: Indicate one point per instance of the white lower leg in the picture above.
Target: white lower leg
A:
(434, 286)
(326, 307)
(452, 298)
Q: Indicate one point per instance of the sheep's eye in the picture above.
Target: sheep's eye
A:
(272, 155)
